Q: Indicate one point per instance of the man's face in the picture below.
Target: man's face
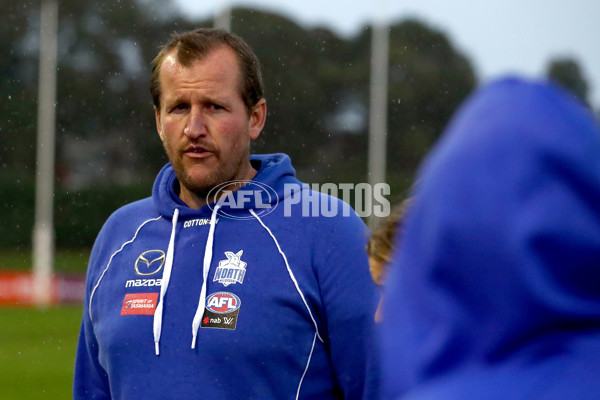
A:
(204, 124)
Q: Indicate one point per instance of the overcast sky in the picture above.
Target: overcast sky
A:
(499, 37)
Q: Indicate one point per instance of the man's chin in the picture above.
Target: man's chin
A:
(199, 185)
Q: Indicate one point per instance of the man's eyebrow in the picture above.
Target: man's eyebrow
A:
(176, 99)
(205, 99)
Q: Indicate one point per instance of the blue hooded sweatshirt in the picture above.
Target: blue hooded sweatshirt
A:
(252, 298)
(495, 292)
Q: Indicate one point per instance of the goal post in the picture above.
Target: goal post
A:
(43, 230)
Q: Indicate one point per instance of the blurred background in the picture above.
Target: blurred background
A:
(316, 60)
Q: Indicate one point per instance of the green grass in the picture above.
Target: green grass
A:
(65, 260)
(37, 346)
(37, 352)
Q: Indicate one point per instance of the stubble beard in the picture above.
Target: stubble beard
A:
(201, 187)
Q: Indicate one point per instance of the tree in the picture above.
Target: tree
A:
(17, 93)
(566, 72)
(429, 78)
(303, 71)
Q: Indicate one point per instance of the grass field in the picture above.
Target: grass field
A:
(37, 352)
(37, 346)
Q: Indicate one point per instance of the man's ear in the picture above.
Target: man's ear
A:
(257, 119)
(158, 124)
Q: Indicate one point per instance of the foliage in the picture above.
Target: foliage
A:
(17, 92)
(429, 78)
(79, 215)
(567, 73)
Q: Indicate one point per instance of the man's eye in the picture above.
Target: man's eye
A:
(180, 107)
(216, 107)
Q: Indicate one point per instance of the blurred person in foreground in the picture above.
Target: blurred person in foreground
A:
(496, 293)
(211, 288)
(382, 247)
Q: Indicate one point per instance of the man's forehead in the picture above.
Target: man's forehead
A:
(170, 67)
(223, 53)
(221, 56)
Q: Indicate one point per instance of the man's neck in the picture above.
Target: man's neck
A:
(196, 201)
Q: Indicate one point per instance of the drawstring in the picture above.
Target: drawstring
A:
(208, 251)
(157, 325)
(206, 267)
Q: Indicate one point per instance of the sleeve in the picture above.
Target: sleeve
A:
(90, 380)
(350, 299)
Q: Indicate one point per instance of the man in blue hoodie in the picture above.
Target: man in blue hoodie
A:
(496, 294)
(211, 288)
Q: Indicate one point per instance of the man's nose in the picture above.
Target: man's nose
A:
(195, 127)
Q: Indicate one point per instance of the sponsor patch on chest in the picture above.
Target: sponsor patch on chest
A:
(139, 304)
(221, 311)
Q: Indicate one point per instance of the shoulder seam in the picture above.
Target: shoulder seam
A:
(291, 274)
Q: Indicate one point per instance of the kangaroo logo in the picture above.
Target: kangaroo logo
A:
(231, 270)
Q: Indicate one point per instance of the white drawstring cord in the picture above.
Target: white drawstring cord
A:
(157, 323)
(206, 267)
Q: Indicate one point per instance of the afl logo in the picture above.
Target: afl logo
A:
(149, 262)
(240, 195)
(222, 302)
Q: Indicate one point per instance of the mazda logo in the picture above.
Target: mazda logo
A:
(149, 262)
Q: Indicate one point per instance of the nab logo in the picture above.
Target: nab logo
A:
(222, 302)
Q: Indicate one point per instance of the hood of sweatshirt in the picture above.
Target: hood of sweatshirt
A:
(495, 292)
(274, 171)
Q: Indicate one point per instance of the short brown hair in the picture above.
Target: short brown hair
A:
(193, 45)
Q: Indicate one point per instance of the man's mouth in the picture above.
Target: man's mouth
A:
(198, 151)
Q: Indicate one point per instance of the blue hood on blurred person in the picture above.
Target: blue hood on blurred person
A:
(495, 293)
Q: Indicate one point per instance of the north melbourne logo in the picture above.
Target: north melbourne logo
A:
(231, 270)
